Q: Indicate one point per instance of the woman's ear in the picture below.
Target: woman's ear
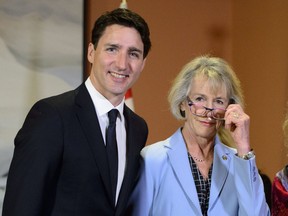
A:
(182, 110)
(183, 114)
(232, 101)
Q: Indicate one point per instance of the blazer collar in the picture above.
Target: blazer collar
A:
(221, 165)
(178, 157)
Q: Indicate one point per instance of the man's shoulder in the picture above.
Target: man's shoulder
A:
(130, 114)
(64, 97)
(62, 101)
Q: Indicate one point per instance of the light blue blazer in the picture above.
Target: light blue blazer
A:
(166, 185)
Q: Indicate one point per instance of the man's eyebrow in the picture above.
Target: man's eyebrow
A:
(111, 45)
(134, 49)
(131, 49)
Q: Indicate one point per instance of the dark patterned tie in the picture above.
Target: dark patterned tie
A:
(111, 149)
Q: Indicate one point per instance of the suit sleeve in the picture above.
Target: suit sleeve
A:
(35, 164)
(250, 190)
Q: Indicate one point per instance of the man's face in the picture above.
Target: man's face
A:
(116, 62)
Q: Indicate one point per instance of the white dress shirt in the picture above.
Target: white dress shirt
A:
(102, 107)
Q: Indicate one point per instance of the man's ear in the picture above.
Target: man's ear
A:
(143, 65)
(90, 53)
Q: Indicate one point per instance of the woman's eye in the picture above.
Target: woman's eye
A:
(219, 102)
(198, 99)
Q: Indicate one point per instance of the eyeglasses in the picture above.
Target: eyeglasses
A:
(202, 111)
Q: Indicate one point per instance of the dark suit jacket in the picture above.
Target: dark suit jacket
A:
(59, 166)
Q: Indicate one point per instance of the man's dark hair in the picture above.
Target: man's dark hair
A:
(126, 18)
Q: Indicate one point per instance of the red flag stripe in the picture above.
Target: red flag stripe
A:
(128, 94)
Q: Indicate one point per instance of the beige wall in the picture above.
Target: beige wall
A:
(252, 38)
(260, 57)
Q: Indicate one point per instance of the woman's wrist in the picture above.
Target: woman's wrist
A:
(246, 156)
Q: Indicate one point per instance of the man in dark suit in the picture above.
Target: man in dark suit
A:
(60, 164)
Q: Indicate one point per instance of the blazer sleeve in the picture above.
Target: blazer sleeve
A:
(250, 190)
(141, 200)
(35, 164)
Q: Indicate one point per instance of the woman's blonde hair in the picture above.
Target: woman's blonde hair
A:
(218, 72)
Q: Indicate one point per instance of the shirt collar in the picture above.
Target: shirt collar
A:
(101, 104)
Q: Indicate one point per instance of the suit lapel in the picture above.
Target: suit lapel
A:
(134, 143)
(221, 164)
(178, 158)
(89, 122)
(180, 164)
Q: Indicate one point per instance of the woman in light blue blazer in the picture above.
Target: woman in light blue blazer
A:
(194, 171)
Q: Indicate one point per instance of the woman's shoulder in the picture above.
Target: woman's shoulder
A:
(155, 158)
(160, 148)
(158, 152)
(157, 149)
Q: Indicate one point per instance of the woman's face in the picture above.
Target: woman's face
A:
(200, 121)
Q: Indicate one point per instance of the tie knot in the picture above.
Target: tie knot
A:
(112, 115)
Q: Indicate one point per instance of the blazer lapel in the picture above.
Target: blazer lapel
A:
(134, 143)
(88, 119)
(221, 164)
(178, 157)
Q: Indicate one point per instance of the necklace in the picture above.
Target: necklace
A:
(197, 159)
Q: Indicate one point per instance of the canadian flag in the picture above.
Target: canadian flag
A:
(129, 99)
